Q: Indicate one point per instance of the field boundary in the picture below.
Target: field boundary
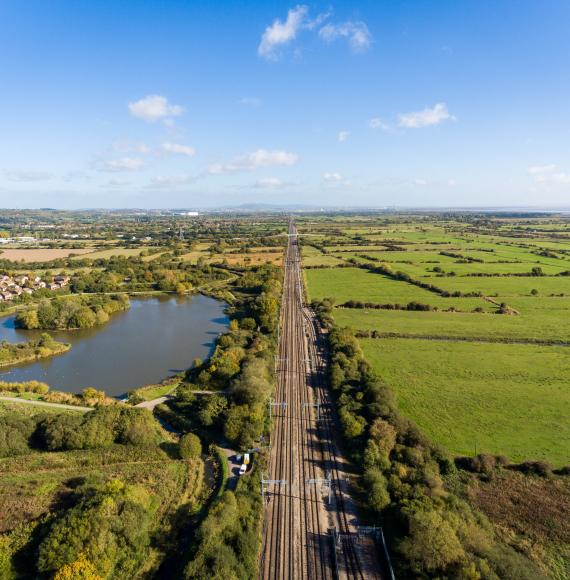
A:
(446, 338)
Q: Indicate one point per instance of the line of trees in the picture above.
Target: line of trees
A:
(402, 276)
(97, 429)
(226, 545)
(412, 487)
(72, 312)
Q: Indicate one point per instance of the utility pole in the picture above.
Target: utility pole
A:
(283, 405)
(278, 360)
(265, 483)
(324, 483)
(317, 406)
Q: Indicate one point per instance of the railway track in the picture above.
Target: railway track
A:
(297, 539)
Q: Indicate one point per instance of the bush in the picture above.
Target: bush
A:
(190, 446)
(99, 428)
(109, 528)
(376, 485)
(432, 544)
(542, 468)
(15, 433)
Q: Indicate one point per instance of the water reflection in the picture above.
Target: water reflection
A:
(156, 337)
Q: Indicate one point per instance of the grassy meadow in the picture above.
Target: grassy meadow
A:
(477, 397)
(480, 381)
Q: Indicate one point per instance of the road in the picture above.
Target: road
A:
(44, 404)
(297, 542)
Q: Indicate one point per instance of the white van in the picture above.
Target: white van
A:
(246, 458)
(243, 469)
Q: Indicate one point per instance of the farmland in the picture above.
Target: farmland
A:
(483, 368)
(41, 254)
(507, 398)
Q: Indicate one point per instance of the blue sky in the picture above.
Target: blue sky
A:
(189, 104)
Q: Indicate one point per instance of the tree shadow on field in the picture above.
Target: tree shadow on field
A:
(171, 449)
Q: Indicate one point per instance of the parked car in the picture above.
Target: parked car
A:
(243, 468)
(246, 458)
(238, 457)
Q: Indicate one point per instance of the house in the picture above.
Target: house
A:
(62, 280)
(52, 286)
(6, 295)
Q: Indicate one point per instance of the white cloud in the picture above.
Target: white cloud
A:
(169, 181)
(548, 174)
(113, 183)
(178, 148)
(425, 118)
(333, 178)
(252, 102)
(27, 176)
(269, 183)
(377, 123)
(154, 108)
(420, 182)
(121, 164)
(451, 182)
(254, 160)
(357, 34)
(343, 136)
(541, 169)
(280, 33)
(123, 146)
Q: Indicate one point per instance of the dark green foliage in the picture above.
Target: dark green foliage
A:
(190, 446)
(227, 544)
(76, 312)
(109, 526)
(99, 428)
(15, 433)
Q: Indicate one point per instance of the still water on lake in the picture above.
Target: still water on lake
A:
(156, 337)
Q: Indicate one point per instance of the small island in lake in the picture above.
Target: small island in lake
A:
(20, 352)
(72, 312)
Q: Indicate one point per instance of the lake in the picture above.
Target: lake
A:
(155, 338)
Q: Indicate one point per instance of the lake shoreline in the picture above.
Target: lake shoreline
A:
(157, 338)
(65, 347)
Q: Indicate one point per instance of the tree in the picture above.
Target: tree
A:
(352, 425)
(378, 496)
(28, 319)
(81, 569)
(211, 408)
(234, 325)
(432, 544)
(84, 317)
(384, 435)
(190, 446)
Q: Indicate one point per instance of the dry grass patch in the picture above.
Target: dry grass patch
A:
(532, 513)
(41, 255)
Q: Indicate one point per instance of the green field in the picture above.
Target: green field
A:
(543, 320)
(357, 284)
(498, 381)
(474, 397)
